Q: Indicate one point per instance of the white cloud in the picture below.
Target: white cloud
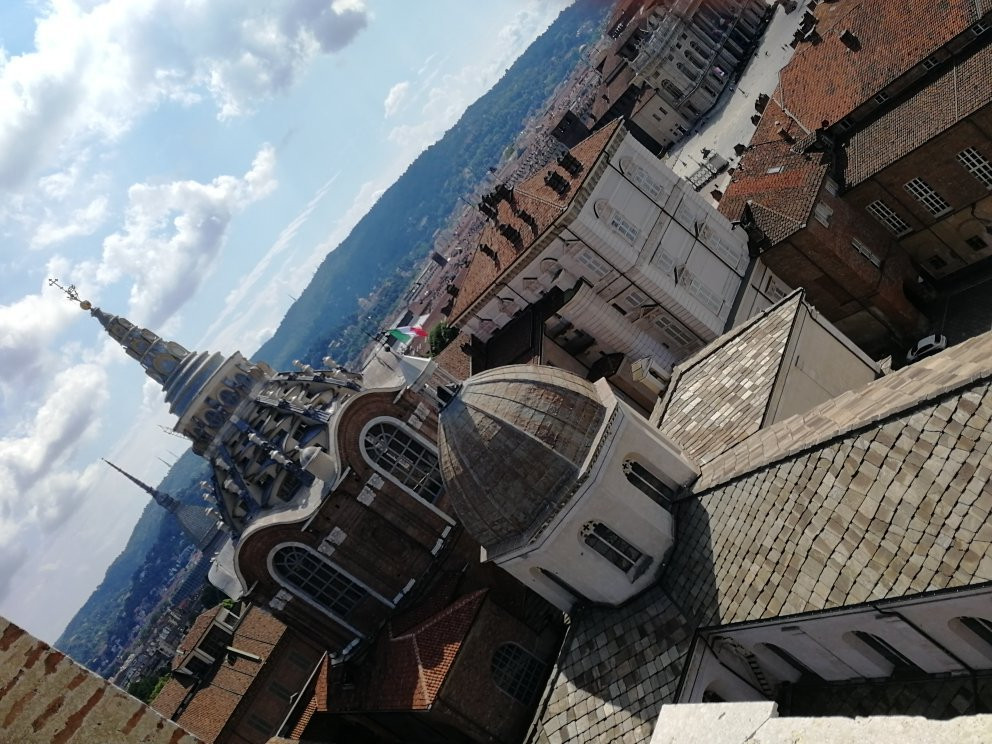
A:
(98, 66)
(37, 491)
(82, 221)
(395, 97)
(256, 301)
(28, 327)
(172, 235)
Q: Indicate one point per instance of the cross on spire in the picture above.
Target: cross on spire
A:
(71, 292)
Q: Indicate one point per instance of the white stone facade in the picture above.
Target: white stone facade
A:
(613, 510)
(652, 268)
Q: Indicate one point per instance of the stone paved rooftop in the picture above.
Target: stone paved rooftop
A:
(879, 493)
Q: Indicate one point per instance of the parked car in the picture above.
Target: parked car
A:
(925, 347)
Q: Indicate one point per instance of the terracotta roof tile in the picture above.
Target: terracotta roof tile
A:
(454, 360)
(779, 183)
(956, 94)
(827, 80)
(417, 662)
(208, 711)
(537, 207)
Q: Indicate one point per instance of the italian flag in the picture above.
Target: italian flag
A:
(407, 333)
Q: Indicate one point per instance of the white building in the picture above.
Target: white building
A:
(617, 257)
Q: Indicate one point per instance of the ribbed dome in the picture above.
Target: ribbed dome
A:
(511, 445)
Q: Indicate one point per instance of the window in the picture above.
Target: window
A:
(976, 165)
(314, 577)
(976, 242)
(774, 289)
(866, 252)
(930, 62)
(648, 483)
(403, 459)
(882, 97)
(928, 197)
(822, 213)
(979, 626)
(695, 286)
(623, 227)
(611, 546)
(937, 262)
(730, 252)
(641, 178)
(775, 169)
(899, 662)
(634, 299)
(678, 337)
(884, 214)
(517, 672)
(671, 89)
(592, 262)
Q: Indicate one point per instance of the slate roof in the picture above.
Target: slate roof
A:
(957, 93)
(720, 395)
(782, 200)
(537, 207)
(879, 493)
(827, 80)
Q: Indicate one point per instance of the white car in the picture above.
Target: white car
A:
(926, 347)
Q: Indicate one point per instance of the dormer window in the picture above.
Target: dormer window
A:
(615, 549)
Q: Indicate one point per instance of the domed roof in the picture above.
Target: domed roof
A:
(512, 443)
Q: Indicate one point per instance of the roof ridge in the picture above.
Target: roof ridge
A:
(438, 616)
(963, 373)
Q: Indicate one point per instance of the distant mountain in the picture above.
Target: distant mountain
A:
(397, 232)
(379, 255)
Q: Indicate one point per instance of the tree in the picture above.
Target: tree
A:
(440, 336)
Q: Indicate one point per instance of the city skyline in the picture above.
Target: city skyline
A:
(189, 172)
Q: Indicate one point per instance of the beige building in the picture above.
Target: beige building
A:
(604, 260)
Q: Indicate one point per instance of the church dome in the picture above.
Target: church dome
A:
(512, 443)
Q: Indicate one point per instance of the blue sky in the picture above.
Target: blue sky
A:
(187, 164)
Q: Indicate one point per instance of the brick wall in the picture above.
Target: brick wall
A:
(48, 698)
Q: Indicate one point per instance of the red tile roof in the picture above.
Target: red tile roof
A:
(537, 207)
(209, 710)
(957, 93)
(826, 81)
(780, 184)
(454, 360)
(410, 668)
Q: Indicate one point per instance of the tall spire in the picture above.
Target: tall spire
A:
(199, 524)
(181, 373)
(162, 499)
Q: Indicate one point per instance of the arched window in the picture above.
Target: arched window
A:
(648, 483)
(671, 89)
(517, 672)
(615, 549)
(979, 626)
(805, 673)
(312, 576)
(405, 460)
(901, 664)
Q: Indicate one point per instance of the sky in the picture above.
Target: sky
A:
(186, 164)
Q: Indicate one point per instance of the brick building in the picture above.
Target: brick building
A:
(328, 484)
(868, 175)
(235, 674)
(47, 698)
